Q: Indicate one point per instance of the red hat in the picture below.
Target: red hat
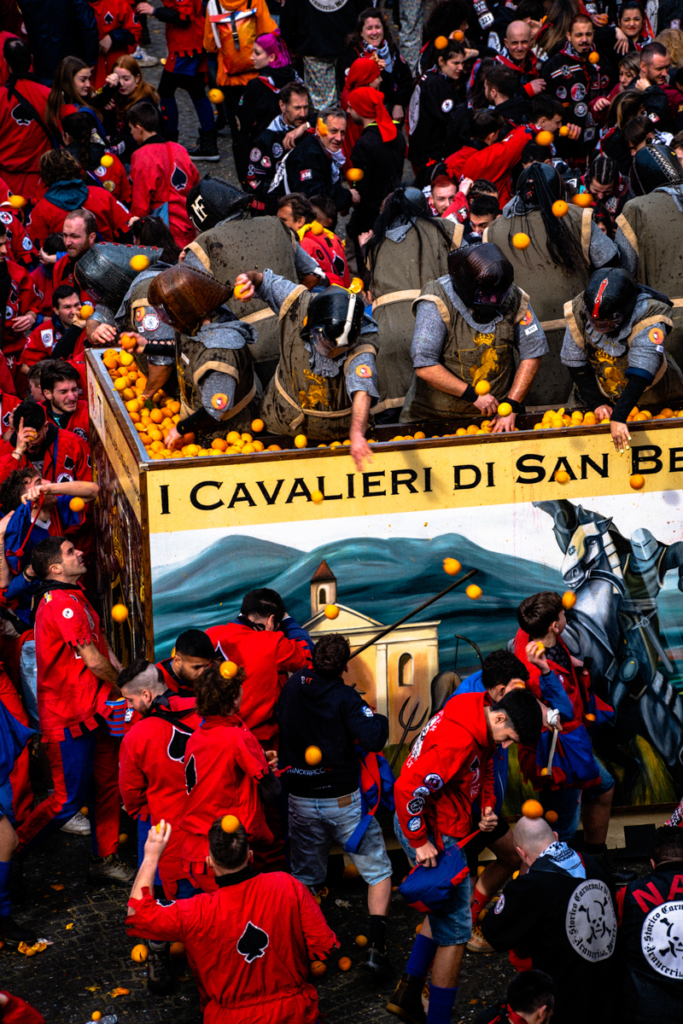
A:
(370, 103)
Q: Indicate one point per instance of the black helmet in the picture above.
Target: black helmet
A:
(609, 299)
(482, 277)
(655, 166)
(334, 320)
(417, 197)
(105, 273)
(214, 200)
(539, 182)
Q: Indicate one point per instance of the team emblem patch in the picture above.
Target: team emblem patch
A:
(150, 322)
(305, 175)
(266, 162)
(68, 613)
(27, 244)
(433, 782)
(277, 150)
(447, 106)
(363, 370)
(128, 717)
(368, 712)
(656, 336)
(100, 171)
(253, 942)
(578, 91)
(500, 904)
(527, 318)
(590, 922)
(661, 940)
(415, 806)
(580, 109)
(561, 93)
(5, 217)
(46, 338)
(255, 155)
(415, 824)
(421, 791)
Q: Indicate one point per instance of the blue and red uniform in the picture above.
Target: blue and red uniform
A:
(72, 711)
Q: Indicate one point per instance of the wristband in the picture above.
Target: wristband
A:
(469, 394)
(516, 406)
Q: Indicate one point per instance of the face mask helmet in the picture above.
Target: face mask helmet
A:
(609, 299)
(482, 277)
(105, 273)
(538, 183)
(334, 321)
(213, 200)
(184, 297)
(655, 166)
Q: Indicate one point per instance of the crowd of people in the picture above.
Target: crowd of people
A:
(533, 259)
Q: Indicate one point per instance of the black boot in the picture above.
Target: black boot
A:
(207, 148)
(160, 978)
(406, 1001)
(12, 933)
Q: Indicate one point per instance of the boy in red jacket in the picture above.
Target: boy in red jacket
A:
(449, 768)
(249, 944)
(493, 160)
(162, 174)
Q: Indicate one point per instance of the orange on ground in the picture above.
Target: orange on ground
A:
(317, 968)
(345, 964)
(350, 872)
(361, 941)
(177, 949)
(139, 953)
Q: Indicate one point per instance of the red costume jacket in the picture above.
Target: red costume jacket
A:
(449, 768)
(249, 945)
(187, 37)
(78, 422)
(268, 658)
(114, 179)
(111, 216)
(23, 298)
(152, 775)
(20, 245)
(114, 16)
(66, 458)
(162, 172)
(22, 140)
(492, 162)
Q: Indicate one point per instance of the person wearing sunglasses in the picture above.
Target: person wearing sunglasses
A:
(613, 348)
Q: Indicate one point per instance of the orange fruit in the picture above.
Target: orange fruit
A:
(300, 441)
(594, 57)
(257, 426)
(139, 953)
(583, 199)
(216, 96)
(247, 438)
(473, 592)
(345, 964)
(564, 131)
(350, 872)
(589, 419)
(637, 482)
(562, 477)
(504, 409)
(17, 202)
(95, 1015)
(521, 240)
(156, 415)
(441, 42)
(77, 504)
(318, 968)
(228, 669)
(451, 566)
(331, 611)
(361, 941)
(86, 310)
(355, 174)
(544, 138)
(568, 599)
(551, 817)
(317, 497)
(230, 823)
(316, 227)
(482, 387)
(177, 949)
(239, 291)
(532, 809)
(107, 160)
(123, 839)
(560, 208)
(313, 755)
(84, 812)
(139, 262)
(219, 444)
(458, 35)
(119, 613)
(220, 401)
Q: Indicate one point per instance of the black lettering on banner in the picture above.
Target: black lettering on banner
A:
(586, 461)
(165, 511)
(675, 457)
(299, 490)
(270, 498)
(350, 486)
(369, 483)
(458, 485)
(428, 479)
(403, 478)
(327, 497)
(489, 474)
(523, 465)
(563, 464)
(194, 495)
(646, 453)
(241, 493)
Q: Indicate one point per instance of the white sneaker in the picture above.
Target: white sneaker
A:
(144, 59)
(77, 826)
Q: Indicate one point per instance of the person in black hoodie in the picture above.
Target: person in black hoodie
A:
(260, 101)
(502, 88)
(318, 710)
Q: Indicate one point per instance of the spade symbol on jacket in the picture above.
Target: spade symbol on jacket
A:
(178, 179)
(190, 774)
(253, 942)
(178, 743)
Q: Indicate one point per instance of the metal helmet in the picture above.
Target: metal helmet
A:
(417, 198)
(482, 277)
(609, 299)
(334, 320)
(654, 166)
(184, 297)
(105, 273)
(644, 545)
(213, 200)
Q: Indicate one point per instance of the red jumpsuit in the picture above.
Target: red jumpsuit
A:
(23, 298)
(248, 944)
(22, 140)
(111, 216)
(162, 172)
(450, 766)
(119, 17)
(66, 458)
(268, 659)
(70, 696)
(223, 765)
(152, 775)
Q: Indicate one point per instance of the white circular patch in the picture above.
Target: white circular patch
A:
(661, 940)
(5, 217)
(255, 155)
(433, 782)
(414, 824)
(277, 150)
(500, 904)
(580, 109)
(590, 922)
(150, 322)
(368, 712)
(447, 106)
(100, 171)
(68, 613)
(27, 244)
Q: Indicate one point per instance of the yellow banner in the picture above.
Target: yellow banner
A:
(496, 470)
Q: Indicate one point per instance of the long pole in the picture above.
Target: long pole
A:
(388, 629)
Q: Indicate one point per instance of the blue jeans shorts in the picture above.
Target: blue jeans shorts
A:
(315, 824)
(451, 924)
(567, 803)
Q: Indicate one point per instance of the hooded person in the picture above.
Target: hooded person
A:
(229, 239)
(218, 387)
(555, 266)
(378, 154)
(326, 377)
(650, 231)
(408, 248)
(468, 324)
(614, 349)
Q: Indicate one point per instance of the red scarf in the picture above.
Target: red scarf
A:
(370, 103)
